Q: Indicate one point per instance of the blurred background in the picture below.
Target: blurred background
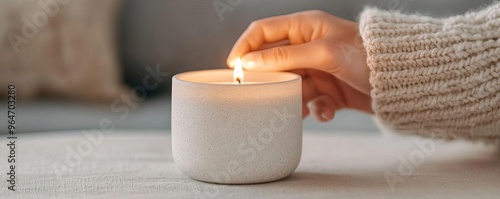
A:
(76, 62)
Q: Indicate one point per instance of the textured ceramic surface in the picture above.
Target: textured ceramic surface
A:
(236, 134)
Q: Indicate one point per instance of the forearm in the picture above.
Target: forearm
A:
(435, 77)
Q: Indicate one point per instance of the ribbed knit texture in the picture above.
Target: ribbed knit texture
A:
(437, 78)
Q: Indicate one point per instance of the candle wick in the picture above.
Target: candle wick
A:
(239, 81)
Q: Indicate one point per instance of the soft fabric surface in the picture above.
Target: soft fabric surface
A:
(62, 48)
(139, 165)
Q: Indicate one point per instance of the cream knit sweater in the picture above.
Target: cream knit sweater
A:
(437, 78)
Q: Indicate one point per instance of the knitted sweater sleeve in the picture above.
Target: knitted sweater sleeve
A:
(433, 77)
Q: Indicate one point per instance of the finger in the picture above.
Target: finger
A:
(322, 108)
(263, 47)
(345, 95)
(274, 44)
(308, 55)
(305, 110)
(309, 91)
(260, 32)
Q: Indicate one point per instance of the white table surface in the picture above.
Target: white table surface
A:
(130, 164)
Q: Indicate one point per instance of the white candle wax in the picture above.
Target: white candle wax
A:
(234, 133)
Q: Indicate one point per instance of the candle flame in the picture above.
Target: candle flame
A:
(238, 72)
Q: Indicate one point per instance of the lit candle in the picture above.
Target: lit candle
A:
(233, 130)
(238, 71)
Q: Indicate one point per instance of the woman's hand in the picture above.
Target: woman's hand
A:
(325, 50)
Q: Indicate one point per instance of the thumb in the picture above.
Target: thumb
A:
(308, 55)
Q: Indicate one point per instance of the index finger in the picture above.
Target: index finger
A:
(260, 32)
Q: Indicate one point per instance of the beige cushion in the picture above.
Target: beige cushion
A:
(59, 48)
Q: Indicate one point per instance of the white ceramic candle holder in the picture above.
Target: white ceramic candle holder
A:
(230, 133)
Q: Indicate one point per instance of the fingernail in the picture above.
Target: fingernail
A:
(249, 62)
(232, 63)
(327, 114)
